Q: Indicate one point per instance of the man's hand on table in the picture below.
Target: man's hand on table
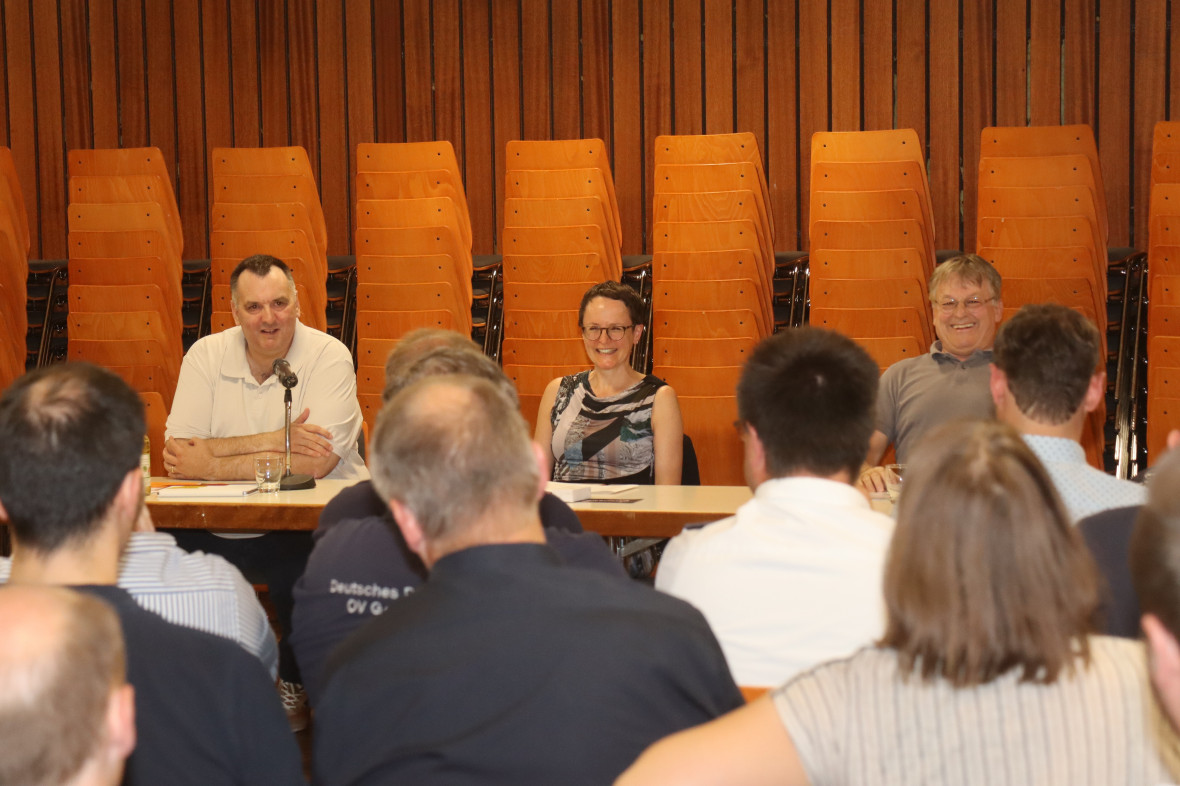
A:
(225, 458)
(306, 438)
(189, 458)
(872, 480)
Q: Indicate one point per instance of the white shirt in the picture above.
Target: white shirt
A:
(1084, 489)
(196, 590)
(217, 396)
(793, 579)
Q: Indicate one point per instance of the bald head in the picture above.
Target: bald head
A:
(454, 449)
(65, 710)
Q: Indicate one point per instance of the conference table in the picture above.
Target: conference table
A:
(641, 511)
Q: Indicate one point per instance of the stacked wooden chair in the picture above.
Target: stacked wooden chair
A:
(872, 241)
(1042, 222)
(413, 251)
(561, 236)
(124, 257)
(1163, 270)
(712, 283)
(14, 271)
(265, 201)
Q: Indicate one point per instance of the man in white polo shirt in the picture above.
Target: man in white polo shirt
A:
(228, 409)
(794, 578)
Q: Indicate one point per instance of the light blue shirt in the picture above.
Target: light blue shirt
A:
(1084, 489)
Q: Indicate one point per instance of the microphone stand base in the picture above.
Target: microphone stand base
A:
(296, 482)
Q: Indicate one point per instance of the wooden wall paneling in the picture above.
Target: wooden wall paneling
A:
(976, 74)
(5, 139)
(448, 66)
(506, 94)
(361, 99)
(596, 73)
(719, 87)
(814, 112)
(50, 142)
(845, 77)
(750, 47)
(221, 110)
(1173, 75)
(22, 111)
(132, 79)
(389, 81)
(1011, 96)
(1113, 126)
(1150, 105)
(782, 132)
(878, 64)
(1078, 77)
(419, 73)
(657, 97)
(244, 65)
(628, 153)
(535, 69)
(688, 100)
(566, 68)
(1045, 62)
(103, 70)
(480, 146)
(192, 175)
(273, 79)
(910, 46)
(75, 75)
(161, 95)
(945, 182)
(303, 105)
(332, 132)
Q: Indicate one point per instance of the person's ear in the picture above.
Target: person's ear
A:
(120, 722)
(998, 384)
(4, 513)
(542, 469)
(1095, 393)
(755, 457)
(410, 528)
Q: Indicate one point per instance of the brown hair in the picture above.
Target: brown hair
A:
(412, 347)
(259, 265)
(614, 290)
(985, 572)
(969, 268)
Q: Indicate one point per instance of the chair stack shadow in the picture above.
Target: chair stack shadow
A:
(712, 284)
(1042, 223)
(413, 253)
(14, 271)
(265, 201)
(561, 236)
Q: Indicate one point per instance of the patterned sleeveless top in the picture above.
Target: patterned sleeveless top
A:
(603, 440)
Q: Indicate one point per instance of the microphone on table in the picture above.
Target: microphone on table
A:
(282, 369)
(290, 482)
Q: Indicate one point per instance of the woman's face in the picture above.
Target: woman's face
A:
(605, 352)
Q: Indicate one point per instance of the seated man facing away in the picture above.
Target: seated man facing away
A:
(949, 381)
(229, 408)
(794, 578)
(507, 666)
(360, 563)
(67, 714)
(71, 489)
(196, 590)
(1045, 381)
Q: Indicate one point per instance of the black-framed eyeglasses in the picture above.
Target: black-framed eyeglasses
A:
(613, 332)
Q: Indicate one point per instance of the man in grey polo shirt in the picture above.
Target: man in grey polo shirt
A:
(951, 380)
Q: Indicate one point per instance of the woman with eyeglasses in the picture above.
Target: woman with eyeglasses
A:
(988, 672)
(611, 424)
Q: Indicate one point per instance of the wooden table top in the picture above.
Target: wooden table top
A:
(658, 511)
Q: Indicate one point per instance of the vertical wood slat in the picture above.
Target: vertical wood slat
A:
(448, 99)
(50, 160)
(657, 97)
(1079, 79)
(302, 78)
(272, 60)
(479, 172)
(18, 34)
(750, 31)
(563, 60)
(911, 66)
(332, 129)
(132, 89)
(247, 95)
(416, 41)
(362, 103)
(813, 99)
(944, 137)
(782, 140)
(1113, 126)
(845, 59)
(1011, 63)
(596, 72)
(75, 74)
(878, 64)
(627, 137)
(103, 70)
(506, 95)
(1045, 62)
(191, 179)
(718, 56)
(534, 68)
(220, 110)
(160, 53)
(1151, 72)
(389, 88)
(977, 115)
(687, 80)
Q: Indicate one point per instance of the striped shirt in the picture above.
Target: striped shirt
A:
(196, 590)
(856, 721)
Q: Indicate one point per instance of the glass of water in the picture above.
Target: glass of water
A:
(893, 479)
(268, 471)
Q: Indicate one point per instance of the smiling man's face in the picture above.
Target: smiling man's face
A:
(970, 323)
(267, 310)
